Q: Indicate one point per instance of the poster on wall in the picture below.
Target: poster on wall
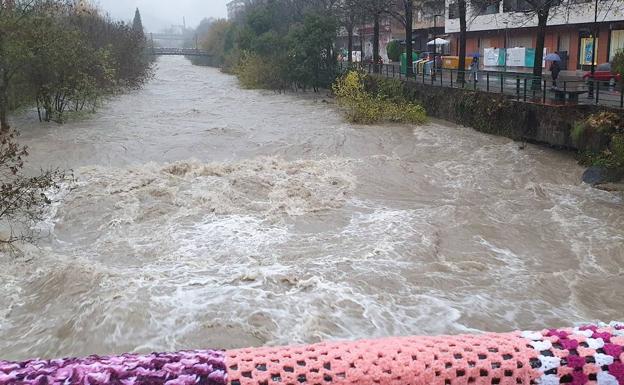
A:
(516, 57)
(587, 48)
(494, 57)
(529, 57)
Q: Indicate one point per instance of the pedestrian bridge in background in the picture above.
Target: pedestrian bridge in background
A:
(179, 52)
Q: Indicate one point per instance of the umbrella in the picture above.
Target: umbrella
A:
(552, 57)
(438, 41)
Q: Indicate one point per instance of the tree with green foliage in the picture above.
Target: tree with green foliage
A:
(277, 44)
(137, 23)
(15, 36)
(215, 41)
(394, 50)
(309, 57)
(61, 58)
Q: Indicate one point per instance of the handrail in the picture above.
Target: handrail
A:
(519, 86)
(580, 355)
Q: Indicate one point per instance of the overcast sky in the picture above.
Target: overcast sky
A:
(158, 14)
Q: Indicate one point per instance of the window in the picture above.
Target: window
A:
(617, 42)
(453, 11)
(485, 7)
(516, 6)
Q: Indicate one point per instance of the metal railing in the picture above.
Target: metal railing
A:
(518, 86)
(158, 51)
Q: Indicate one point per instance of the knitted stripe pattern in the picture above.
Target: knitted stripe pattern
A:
(205, 367)
(484, 359)
(592, 355)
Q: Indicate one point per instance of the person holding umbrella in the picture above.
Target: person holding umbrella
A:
(555, 68)
(474, 67)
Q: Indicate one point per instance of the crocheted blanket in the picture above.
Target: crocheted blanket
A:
(592, 354)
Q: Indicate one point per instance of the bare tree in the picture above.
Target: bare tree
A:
(542, 10)
(22, 198)
(403, 12)
(461, 5)
(376, 8)
(350, 12)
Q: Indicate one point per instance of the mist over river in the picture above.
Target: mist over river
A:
(208, 216)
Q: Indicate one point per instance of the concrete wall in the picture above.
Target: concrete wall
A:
(499, 115)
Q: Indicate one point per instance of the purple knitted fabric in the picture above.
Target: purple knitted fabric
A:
(205, 367)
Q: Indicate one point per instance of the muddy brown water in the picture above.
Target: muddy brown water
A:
(206, 215)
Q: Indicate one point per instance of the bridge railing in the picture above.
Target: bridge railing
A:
(158, 51)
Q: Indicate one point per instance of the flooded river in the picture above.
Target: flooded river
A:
(209, 216)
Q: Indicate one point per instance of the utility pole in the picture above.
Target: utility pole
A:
(435, 35)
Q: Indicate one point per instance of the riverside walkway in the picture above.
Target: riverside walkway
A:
(519, 86)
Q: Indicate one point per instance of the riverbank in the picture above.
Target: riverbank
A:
(593, 131)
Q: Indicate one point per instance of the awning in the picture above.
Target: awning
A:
(438, 41)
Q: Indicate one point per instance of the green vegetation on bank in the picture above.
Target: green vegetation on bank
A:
(388, 104)
(61, 57)
(276, 45)
(606, 131)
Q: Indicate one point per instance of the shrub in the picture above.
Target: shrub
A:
(394, 50)
(391, 89)
(577, 132)
(405, 113)
(255, 71)
(607, 124)
(366, 108)
(617, 149)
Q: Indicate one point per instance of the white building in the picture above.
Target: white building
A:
(570, 26)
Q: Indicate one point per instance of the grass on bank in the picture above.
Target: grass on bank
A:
(364, 107)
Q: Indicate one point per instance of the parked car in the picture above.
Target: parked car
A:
(603, 73)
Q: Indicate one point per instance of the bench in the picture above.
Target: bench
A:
(570, 95)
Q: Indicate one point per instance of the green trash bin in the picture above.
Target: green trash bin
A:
(404, 61)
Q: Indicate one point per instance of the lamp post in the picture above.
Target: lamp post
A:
(435, 43)
(506, 39)
(593, 57)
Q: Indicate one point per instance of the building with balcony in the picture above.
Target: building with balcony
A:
(505, 24)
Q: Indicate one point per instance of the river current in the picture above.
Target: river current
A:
(208, 216)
